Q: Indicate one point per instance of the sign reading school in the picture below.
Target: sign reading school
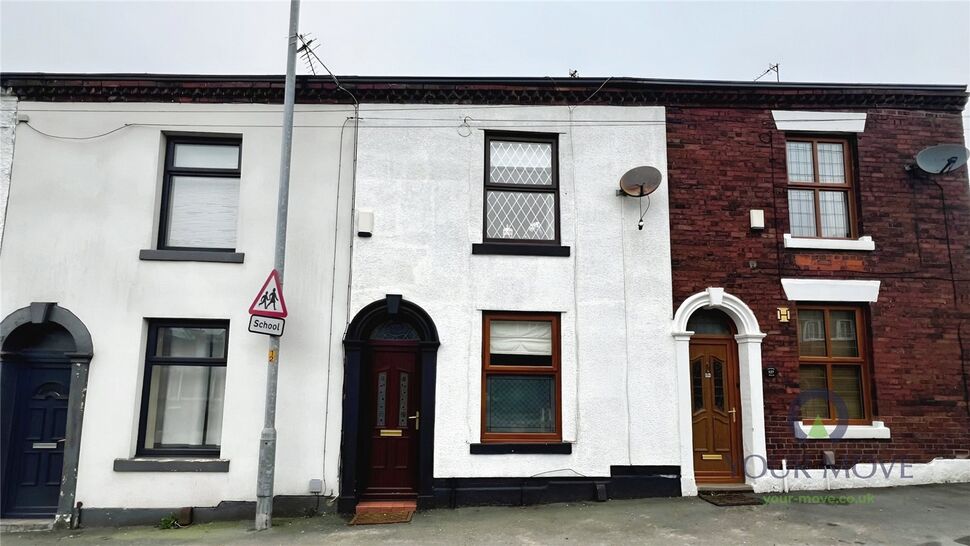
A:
(269, 308)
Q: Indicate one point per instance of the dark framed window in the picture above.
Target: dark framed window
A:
(183, 392)
(821, 200)
(521, 188)
(200, 194)
(521, 385)
(833, 366)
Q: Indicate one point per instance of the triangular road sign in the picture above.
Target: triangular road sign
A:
(269, 301)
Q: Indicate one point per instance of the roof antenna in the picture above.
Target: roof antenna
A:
(573, 73)
(306, 50)
(771, 68)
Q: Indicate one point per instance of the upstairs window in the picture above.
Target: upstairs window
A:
(832, 364)
(820, 198)
(200, 194)
(521, 188)
(520, 378)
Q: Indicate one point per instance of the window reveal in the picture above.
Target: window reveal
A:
(521, 378)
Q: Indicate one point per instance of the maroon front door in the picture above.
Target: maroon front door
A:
(393, 401)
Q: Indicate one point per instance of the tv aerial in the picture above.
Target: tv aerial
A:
(941, 159)
(640, 182)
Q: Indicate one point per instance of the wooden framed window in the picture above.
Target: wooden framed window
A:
(521, 188)
(521, 386)
(821, 202)
(200, 194)
(183, 392)
(833, 368)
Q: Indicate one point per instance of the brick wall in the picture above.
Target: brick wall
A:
(725, 161)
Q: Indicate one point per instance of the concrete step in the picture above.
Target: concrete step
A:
(725, 487)
(22, 525)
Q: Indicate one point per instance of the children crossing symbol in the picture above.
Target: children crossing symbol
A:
(269, 301)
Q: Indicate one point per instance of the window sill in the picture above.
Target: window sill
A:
(169, 464)
(520, 249)
(876, 431)
(522, 449)
(862, 243)
(191, 256)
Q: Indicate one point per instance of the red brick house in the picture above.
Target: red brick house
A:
(893, 349)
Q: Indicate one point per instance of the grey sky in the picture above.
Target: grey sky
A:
(907, 42)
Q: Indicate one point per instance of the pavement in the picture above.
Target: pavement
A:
(934, 515)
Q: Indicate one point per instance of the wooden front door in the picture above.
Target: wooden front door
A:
(393, 399)
(716, 410)
(36, 451)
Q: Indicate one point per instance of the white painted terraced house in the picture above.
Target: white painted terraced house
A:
(475, 316)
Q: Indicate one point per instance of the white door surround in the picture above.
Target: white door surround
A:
(749, 338)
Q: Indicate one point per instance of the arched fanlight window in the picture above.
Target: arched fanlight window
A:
(393, 330)
(710, 322)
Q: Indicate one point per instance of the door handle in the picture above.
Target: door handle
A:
(734, 415)
(417, 420)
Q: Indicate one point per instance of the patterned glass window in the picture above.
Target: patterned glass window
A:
(697, 383)
(521, 188)
(402, 410)
(718, 370)
(521, 403)
(381, 420)
(520, 377)
(395, 331)
(820, 188)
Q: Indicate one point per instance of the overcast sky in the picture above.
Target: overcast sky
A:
(904, 42)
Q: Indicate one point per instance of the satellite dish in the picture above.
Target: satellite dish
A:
(641, 181)
(941, 159)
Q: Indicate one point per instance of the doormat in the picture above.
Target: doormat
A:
(374, 518)
(721, 498)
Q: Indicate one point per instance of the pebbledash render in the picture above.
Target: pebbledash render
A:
(476, 314)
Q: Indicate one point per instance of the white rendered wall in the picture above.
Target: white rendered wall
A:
(80, 211)
(424, 186)
(8, 130)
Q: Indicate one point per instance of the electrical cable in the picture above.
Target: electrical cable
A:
(115, 130)
(333, 285)
(587, 99)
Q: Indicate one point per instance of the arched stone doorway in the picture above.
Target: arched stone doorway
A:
(747, 336)
(46, 352)
(390, 364)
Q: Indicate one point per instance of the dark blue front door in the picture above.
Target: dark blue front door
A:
(36, 450)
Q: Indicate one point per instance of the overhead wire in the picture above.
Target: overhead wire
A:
(445, 124)
(115, 130)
